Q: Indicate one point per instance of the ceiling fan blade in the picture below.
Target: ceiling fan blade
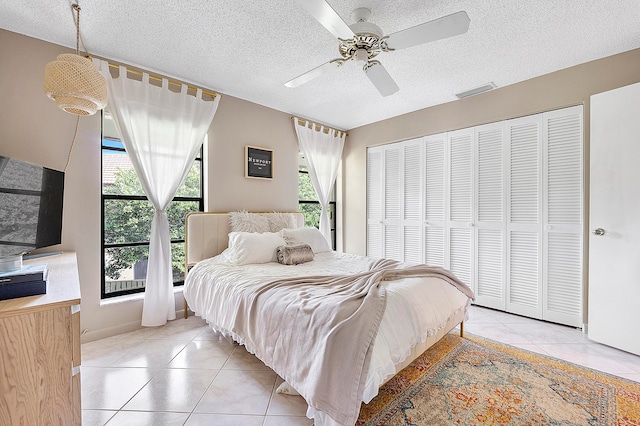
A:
(380, 78)
(328, 17)
(314, 73)
(447, 26)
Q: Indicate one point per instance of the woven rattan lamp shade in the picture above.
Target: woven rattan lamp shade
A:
(75, 84)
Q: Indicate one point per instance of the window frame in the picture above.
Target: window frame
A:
(332, 203)
(106, 197)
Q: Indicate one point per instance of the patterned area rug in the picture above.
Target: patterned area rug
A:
(476, 381)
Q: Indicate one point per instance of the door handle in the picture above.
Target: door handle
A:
(599, 232)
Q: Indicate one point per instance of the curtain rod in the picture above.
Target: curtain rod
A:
(304, 121)
(153, 77)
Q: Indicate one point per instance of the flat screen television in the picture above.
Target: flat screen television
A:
(30, 208)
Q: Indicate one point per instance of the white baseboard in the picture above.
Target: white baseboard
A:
(90, 336)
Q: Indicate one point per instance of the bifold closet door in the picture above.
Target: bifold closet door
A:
(460, 202)
(395, 201)
(385, 202)
(490, 213)
(562, 271)
(412, 190)
(392, 207)
(524, 211)
(435, 211)
(375, 243)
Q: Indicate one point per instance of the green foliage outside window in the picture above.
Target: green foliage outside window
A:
(306, 193)
(129, 221)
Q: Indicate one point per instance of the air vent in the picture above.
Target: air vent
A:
(475, 91)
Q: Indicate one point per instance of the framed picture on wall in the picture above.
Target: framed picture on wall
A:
(258, 162)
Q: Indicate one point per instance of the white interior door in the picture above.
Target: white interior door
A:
(614, 249)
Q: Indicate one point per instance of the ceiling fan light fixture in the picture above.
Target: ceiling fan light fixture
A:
(361, 56)
(476, 90)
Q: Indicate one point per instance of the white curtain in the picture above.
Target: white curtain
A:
(322, 148)
(162, 132)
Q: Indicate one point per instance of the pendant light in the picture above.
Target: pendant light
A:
(74, 82)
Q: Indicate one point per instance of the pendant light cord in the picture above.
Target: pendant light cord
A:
(73, 141)
(76, 20)
(79, 40)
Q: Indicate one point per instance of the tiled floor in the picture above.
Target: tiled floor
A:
(185, 374)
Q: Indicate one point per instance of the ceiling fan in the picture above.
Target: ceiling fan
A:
(363, 41)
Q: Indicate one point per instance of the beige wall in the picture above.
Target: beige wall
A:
(236, 124)
(567, 87)
(33, 129)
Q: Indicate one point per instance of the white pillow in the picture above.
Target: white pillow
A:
(244, 221)
(251, 247)
(278, 221)
(311, 236)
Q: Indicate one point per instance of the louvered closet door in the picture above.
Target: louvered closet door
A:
(524, 224)
(374, 202)
(392, 207)
(412, 172)
(490, 223)
(562, 232)
(434, 200)
(460, 201)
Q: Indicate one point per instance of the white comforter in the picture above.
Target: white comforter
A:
(410, 316)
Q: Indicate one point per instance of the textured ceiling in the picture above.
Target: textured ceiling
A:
(248, 49)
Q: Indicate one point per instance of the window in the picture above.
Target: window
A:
(127, 216)
(308, 201)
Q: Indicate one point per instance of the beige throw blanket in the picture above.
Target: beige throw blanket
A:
(317, 332)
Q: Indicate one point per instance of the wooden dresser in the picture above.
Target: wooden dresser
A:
(40, 350)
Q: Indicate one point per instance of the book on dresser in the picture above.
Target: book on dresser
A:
(29, 280)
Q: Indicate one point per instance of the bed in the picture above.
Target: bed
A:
(336, 326)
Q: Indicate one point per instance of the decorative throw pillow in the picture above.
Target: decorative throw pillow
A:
(252, 247)
(243, 221)
(311, 236)
(278, 221)
(293, 254)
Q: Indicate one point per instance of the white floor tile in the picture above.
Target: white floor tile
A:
(287, 421)
(499, 332)
(96, 417)
(172, 389)
(111, 388)
(140, 418)
(542, 333)
(238, 392)
(178, 329)
(240, 359)
(586, 355)
(633, 377)
(207, 333)
(203, 354)
(198, 419)
(102, 353)
(150, 353)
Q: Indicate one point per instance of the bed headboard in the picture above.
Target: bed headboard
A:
(207, 234)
